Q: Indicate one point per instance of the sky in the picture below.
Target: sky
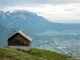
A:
(53, 10)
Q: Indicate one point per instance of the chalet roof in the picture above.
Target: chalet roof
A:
(23, 34)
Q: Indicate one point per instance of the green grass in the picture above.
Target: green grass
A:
(49, 55)
(33, 54)
(16, 55)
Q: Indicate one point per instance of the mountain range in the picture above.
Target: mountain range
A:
(63, 38)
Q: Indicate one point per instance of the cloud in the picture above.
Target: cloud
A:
(63, 1)
(21, 2)
(7, 3)
(52, 12)
(32, 2)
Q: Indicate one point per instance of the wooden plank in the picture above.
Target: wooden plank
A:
(18, 39)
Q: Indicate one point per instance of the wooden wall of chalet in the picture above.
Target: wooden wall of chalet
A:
(18, 40)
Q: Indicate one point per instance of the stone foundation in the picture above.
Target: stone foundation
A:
(26, 48)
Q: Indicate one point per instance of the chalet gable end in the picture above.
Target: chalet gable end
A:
(19, 40)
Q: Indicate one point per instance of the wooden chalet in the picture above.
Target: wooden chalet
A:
(20, 40)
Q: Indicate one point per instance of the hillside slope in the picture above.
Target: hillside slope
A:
(33, 54)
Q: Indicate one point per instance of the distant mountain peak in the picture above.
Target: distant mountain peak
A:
(1, 12)
(24, 12)
(7, 13)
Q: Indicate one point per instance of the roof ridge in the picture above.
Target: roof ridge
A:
(23, 34)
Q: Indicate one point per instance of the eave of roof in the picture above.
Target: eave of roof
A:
(23, 34)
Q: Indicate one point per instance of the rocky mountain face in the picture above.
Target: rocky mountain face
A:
(24, 20)
(63, 38)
